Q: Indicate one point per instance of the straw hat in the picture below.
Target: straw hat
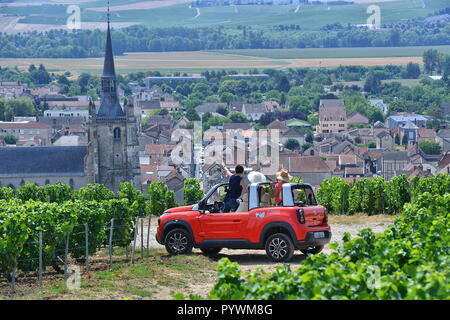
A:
(284, 175)
(256, 177)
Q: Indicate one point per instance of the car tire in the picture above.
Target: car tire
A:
(279, 247)
(210, 251)
(312, 250)
(178, 241)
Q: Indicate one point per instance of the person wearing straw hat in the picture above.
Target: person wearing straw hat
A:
(283, 177)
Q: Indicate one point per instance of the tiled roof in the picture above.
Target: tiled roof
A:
(354, 170)
(347, 159)
(331, 103)
(243, 126)
(206, 107)
(254, 108)
(444, 133)
(277, 124)
(405, 118)
(157, 148)
(307, 164)
(292, 132)
(334, 113)
(47, 161)
(445, 160)
(24, 125)
(356, 117)
(427, 133)
(395, 155)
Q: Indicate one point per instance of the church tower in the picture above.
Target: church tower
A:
(113, 154)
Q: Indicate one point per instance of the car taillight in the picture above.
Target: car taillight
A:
(325, 218)
(300, 216)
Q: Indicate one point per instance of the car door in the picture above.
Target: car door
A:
(231, 225)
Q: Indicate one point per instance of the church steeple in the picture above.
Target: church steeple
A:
(109, 106)
(108, 67)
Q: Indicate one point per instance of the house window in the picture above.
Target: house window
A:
(117, 134)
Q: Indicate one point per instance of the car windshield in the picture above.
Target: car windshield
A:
(213, 200)
(218, 195)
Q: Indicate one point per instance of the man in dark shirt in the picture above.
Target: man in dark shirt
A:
(235, 186)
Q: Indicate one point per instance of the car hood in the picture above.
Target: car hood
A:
(179, 209)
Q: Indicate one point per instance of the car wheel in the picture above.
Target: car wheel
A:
(279, 247)
(312, 250)
(178, 241)
(210, 251)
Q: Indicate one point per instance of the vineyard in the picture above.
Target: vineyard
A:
(54, 218)
(409, 260)
(376, 196)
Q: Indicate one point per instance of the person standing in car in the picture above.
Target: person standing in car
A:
(235, 186)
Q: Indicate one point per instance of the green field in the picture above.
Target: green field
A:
(310, 17)
(327, 53)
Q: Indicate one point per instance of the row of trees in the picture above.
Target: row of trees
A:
(87, 43)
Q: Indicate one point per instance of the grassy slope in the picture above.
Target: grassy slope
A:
(149, 278)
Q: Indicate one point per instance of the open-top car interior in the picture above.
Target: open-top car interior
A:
(303, 195)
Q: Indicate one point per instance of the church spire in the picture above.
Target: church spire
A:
(108, 68)
(109, 106)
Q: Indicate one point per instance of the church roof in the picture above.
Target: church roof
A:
(108, 66)
(42, 161)
(109, 106)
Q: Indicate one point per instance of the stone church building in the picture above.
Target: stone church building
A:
(110, 158)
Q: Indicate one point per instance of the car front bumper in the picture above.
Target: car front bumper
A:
(156, 237)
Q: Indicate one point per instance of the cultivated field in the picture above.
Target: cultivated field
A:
(142, 5)
(334, 53)
(166, 13)
(198, 61)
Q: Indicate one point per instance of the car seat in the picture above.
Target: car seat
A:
(265, 200)
(243, 206)
(296, 193)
